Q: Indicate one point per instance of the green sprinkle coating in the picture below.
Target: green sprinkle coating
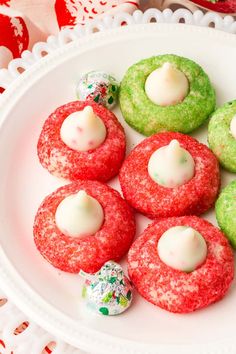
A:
(220, 139)
(226, 212)
(149, 118)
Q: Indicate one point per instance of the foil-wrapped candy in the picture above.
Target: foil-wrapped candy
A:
(107, 292)
(99, 87)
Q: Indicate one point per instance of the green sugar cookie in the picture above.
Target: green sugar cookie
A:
(220, 138)
(226, 212)
(148, 118)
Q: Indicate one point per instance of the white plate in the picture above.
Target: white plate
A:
(50, 297)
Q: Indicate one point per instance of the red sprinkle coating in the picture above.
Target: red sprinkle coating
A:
(101, 164)
(174, 290)
(194, 197)
(88, 253)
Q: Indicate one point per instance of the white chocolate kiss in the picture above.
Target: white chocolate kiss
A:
(83, 130)
(79, 215)
(233, 127)
(182, 248)
(166, 85)
(171, 165)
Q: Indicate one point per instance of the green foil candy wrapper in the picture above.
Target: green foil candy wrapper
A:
(108, 292)
(100, 87)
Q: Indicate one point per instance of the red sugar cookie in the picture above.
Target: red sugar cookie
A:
(101, 164)
(88, 253)
(174, 290)
(194, 197)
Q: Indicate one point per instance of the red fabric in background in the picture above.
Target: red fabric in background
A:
(70, 12)
(13, 34)
(24, 22)
(224, 6)
(64, 16)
